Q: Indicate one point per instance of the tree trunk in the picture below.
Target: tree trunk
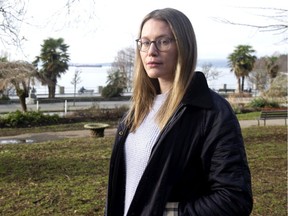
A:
(242, 86)
(51, 90)
(239, 84)
(74, 94)
(22, 98)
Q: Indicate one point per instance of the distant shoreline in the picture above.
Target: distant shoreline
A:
(94, 76)
(214, 62)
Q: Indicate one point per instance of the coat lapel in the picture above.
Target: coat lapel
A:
(198, 93)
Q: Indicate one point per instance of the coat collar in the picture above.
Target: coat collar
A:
(198, 93)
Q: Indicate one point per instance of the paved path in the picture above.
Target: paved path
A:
(46, 136)
(49, 136)
(272, 122)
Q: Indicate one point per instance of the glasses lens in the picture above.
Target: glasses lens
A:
(139, 45)
(145, 44)
(162, 44)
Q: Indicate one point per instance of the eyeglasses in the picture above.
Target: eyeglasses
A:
(162, 44)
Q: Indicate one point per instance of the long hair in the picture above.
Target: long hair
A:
(145, 88)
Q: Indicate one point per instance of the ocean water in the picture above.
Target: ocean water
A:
(93, 77)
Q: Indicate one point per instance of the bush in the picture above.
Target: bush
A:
(101, 114)
(27, 119)
(110, 91)
(278, 88)
(4, 98)
(263, 103)
(240, 109)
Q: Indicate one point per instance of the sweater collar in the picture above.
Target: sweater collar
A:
(198, 93)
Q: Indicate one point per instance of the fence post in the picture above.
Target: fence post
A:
(65, 107)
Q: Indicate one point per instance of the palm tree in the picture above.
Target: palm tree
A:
(116, 83)
(272, 67)
(19, 74)
(52, 62)
(241, 62)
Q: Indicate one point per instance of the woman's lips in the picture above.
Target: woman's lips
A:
(153, 64)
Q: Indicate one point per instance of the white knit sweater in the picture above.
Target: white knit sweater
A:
(138, 148)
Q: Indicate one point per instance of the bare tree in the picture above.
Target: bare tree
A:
(259, 79)
(267, 70)
(12, 14)
(124, 64)
(279, 17)
(19, 74)
(76, 80)
(209, 71)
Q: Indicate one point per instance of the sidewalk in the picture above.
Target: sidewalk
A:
(270, 122)
(48, 136)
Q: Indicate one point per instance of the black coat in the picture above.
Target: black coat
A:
(199, 160)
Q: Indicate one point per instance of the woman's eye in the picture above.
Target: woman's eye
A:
(145, 43)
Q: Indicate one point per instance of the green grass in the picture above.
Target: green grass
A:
(69, 177)
(267, 154)
(248, 116)
(54, 178)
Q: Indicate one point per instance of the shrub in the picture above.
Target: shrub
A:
(4, 98)
(101, 114)
(27, 119)
(110, 91)
(278, 87)
(263, 103)
(240, 109)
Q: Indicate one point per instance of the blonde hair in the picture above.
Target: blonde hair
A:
(145, 88)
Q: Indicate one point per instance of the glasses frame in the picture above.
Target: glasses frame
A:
(139, 44)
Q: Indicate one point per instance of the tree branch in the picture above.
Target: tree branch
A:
(280, 18)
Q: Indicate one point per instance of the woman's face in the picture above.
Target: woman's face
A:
(159, 64)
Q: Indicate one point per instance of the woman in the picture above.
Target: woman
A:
(179, 149)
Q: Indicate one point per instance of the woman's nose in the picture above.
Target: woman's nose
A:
(152, 49)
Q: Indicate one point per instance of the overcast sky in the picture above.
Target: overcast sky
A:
(97, 30)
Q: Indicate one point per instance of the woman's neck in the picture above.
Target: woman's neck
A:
(165, 86)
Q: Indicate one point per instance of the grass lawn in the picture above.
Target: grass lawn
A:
(248, 116)
(69, 177)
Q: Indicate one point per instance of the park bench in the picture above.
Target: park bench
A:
(225, 90)
(87, 91)
(96, 129)
(272, 114)
(82, 90)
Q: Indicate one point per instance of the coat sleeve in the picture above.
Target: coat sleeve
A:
(226, 169)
